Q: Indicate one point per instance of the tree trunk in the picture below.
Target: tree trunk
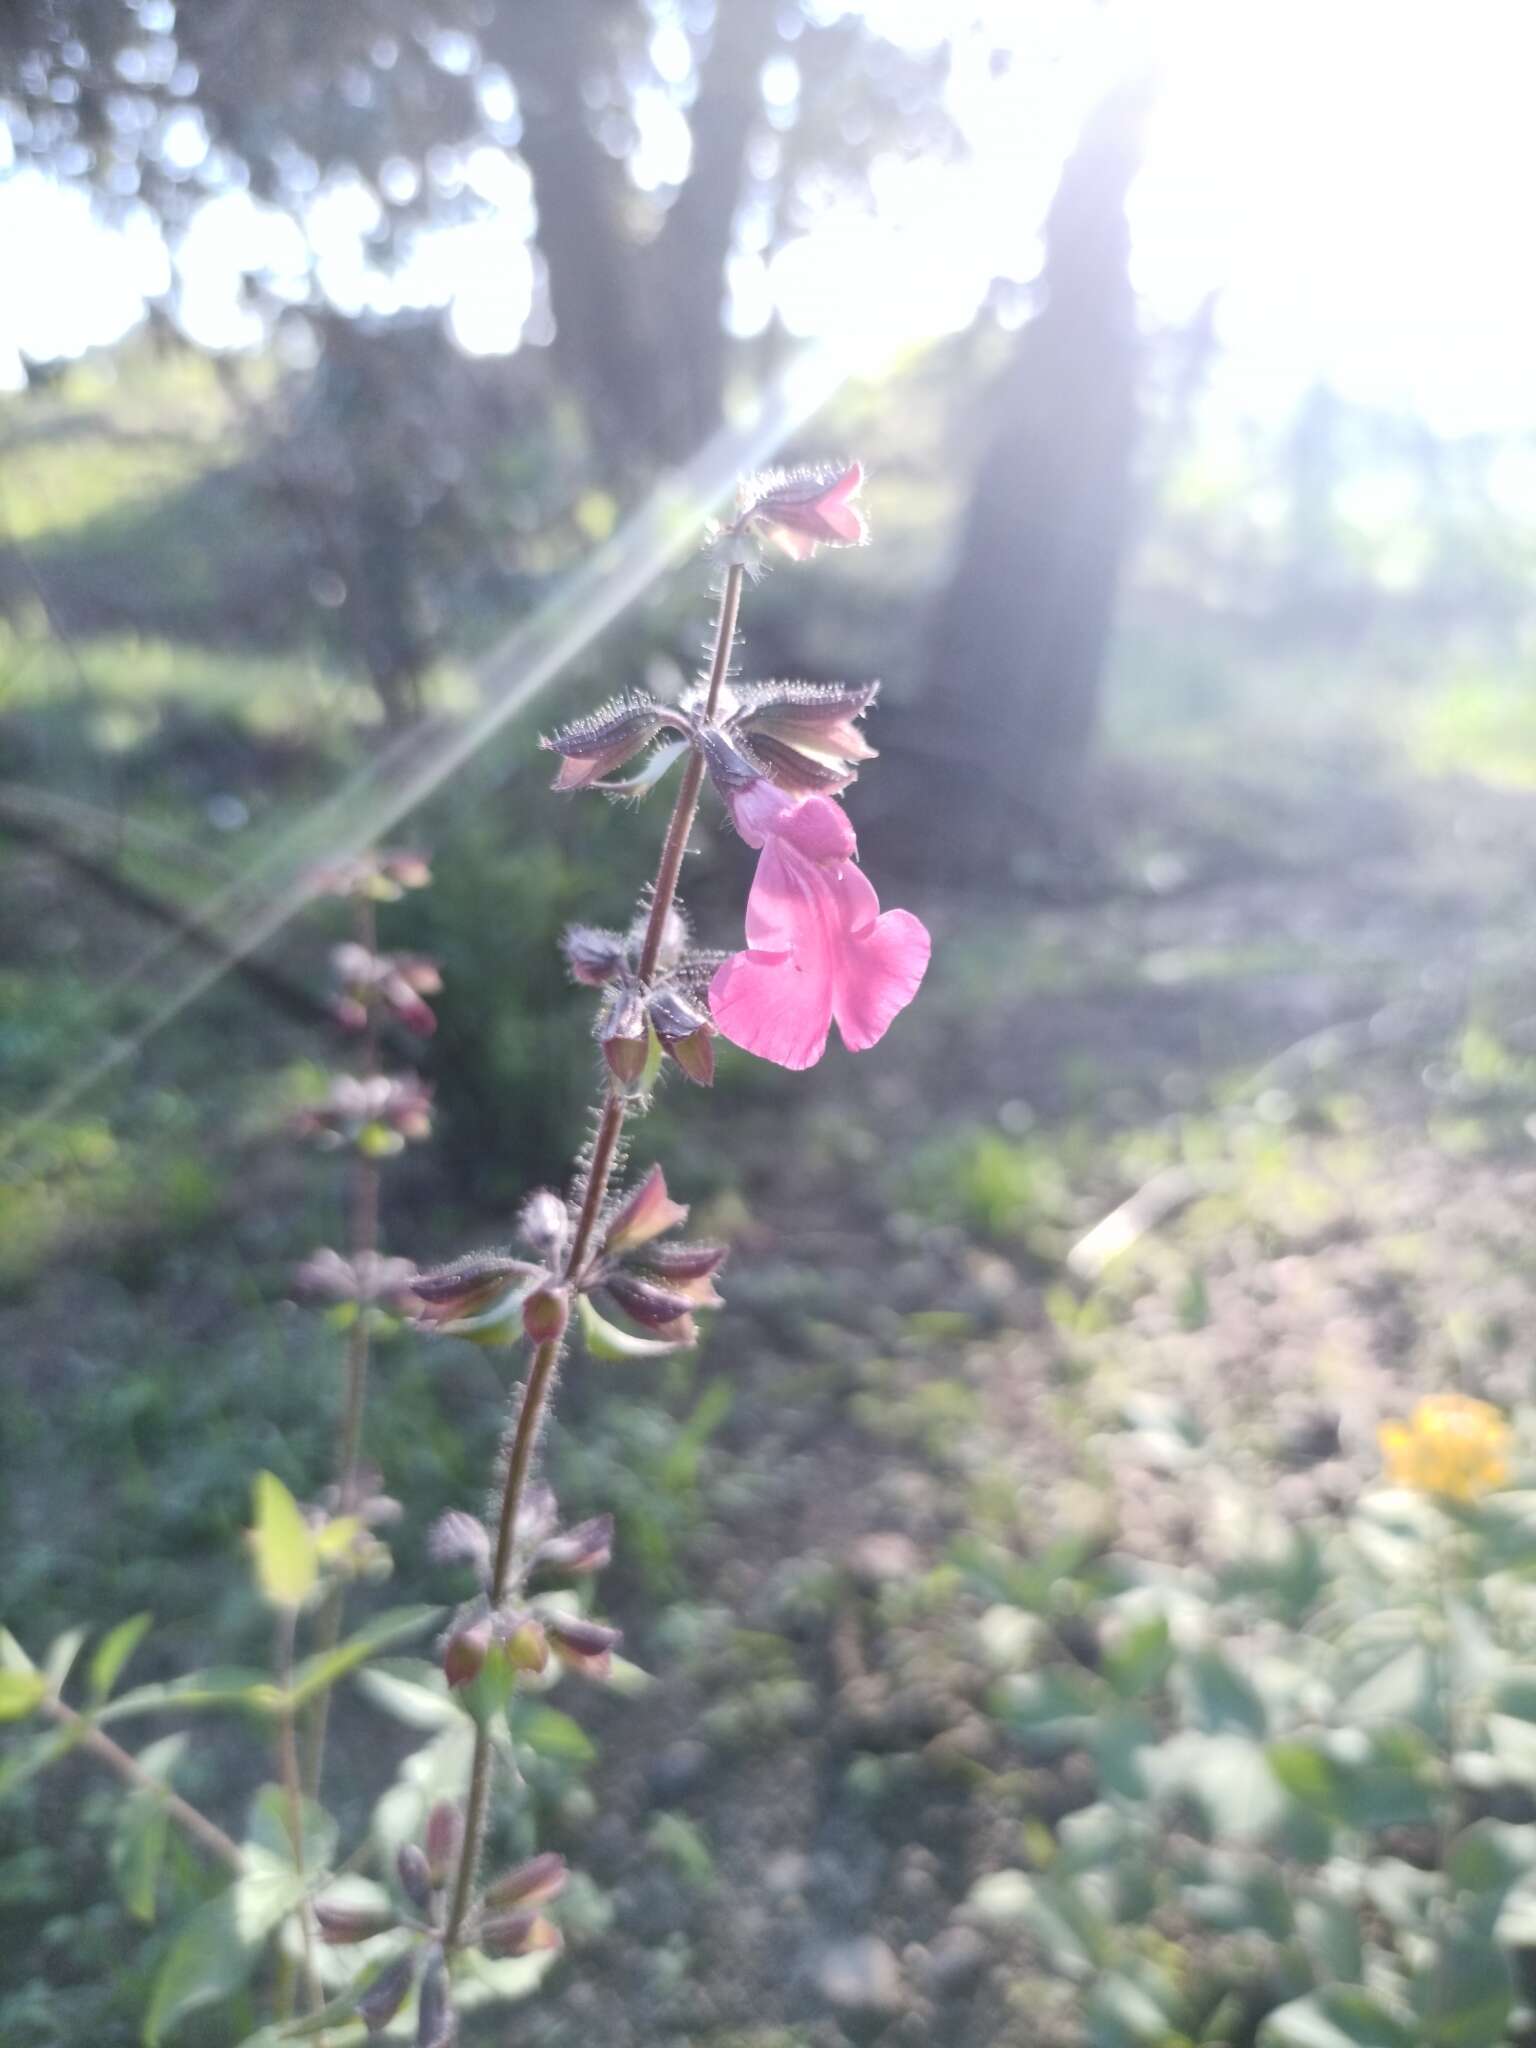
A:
(1022, 630)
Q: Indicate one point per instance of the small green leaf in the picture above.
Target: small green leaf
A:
(234, 1687)
(287, 1565)
(23, 1760)
(1218, 1699)
(113, 1652)
(396, 1625)
(1138, 1661)
(268, 1831)
(21, 1693)
(412, 1692)
(553, 1734)
(1465, 1990)
(12, 1656)
(137, 1851)
(606, 1341)
(1339, 2016)
(59, 1661)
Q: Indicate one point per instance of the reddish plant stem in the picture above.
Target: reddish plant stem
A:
(605, 1149)
(206, 1833)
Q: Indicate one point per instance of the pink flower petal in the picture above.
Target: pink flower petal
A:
(763, 1003)
(880, 973)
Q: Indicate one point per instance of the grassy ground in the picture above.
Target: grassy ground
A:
(1144, 1218)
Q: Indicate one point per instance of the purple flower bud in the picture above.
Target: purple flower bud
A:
(594, 745)
(386, 1994)
(518, 1934)
(583, 1646)
(532, 1883)
(594, 957)
(445, 1837)
(437, 2024)
(679, 1262)
(458, 1538)
(471, 1290)
(646, 1211)
(654, 1306)
(587, 1547)
(342, 1925)
(415, 1875)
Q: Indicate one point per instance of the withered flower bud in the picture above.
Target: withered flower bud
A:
(445, 1838)
(605, 740)
(587, 1547)
(340, 1926)
(386, 1994)
(532, 1883)
(415, 1875)
(519, 1934)
(583, 1646)
(593, 956)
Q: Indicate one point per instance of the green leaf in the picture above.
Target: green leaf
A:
(268, 1830)
(12, 1656)
(1048, 1711)
(411, 1691)
(606, 1341)
(1138, 1661)
(59, 1661)
(396, 1625)
(1218, 1699)
(1330, 1934)
(113, 1652)
(21, 1693)
(1490, 1856)
(24, 1760)
(232, 1687)
(550, 1733)
(1465, 1991)
(137, 1850)
(1056, 1916)
(216, 1950)
(287, 1565)
(1339, 2016)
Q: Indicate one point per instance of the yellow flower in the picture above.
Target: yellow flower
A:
(1451, 1445)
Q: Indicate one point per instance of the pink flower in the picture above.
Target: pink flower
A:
(819, 950)
(804, 509)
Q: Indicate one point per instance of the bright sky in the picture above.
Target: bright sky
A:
(1354, 176)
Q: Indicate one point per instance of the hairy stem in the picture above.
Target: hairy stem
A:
(206, 1833)
(605, 1148)
(363, 1245)
(519, 1463)
(293, 1793)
